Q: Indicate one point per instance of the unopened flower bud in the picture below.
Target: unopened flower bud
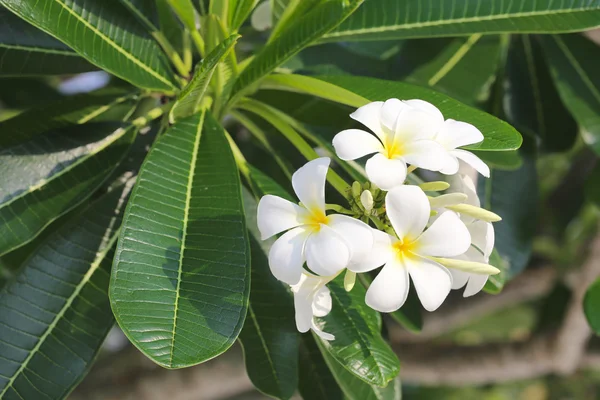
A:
(356, 189)
(366, 198)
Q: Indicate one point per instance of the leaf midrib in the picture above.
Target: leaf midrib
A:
(86, 277)
(39, 50)
(264, 345)
(494, 17)
(458, 55)
(186, 211)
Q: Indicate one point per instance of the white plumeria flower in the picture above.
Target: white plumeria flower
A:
(261, 17)
(404, 135)
(454, 134)
(482, 239)
(312, 299)
(410, 254)
(326, 242)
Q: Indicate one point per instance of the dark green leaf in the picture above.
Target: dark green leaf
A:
(48, 175)
(574, 64)
(532, 103)
(180, 282)
(50, 340)
(186, 12)
(262, 185)
(301, 33)
(25, 50)
(356, 389)
(316, 381)
(592, 186)
(145, 11)
(508, 160)
(498, 134)
(105, 33)
(190, 97)
(393, 19)
(514, 196)
(591, 306)
(495, 283)
(358, 344)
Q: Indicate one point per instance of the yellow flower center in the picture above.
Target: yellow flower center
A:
(392, 148)
(316, 218)
(404, 248)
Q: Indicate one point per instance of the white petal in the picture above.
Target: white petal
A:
(483, 237)
(389, 290)
(425, 154)
(475, 284)
(321, 305)
(389, 113)
(322, 335)
(459, 278)
(309, 183)
(414, 124)
(354, 143)
(286, 256)
(451, 164)
(432, 281)
(303, 300)
(464, 184)
(380, 253)
(429, 108)
(408, 210)
(455, 134)
(369, 115)
(473, 161)
(446, 237)
(357, 234)
(276, 215)
(326, 252)
(261, 17)
(386, 173)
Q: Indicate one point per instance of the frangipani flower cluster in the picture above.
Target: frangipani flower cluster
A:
(438, 241)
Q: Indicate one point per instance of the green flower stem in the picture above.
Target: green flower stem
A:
(240, 160)
(198, 41)
(274, 117)
(176, 60)
(380, 225)
(151, 115)
(338, 208)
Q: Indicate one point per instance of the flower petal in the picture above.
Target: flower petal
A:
(286, 256)
(432, 281)
(464, 184)
(446, 237)
(322, 335)
(389, 289)
(261, 17)
(276, 215)
(357, 234)
(321, 305)
(326, 252)
(482, 237)
(380, 253)
(416, 123)
(451, 164)
(309, 183)
(425, 154)
(370, 116)
(454, 134)
(354, 143)
(386, 173)
(389, 113)
(427, 107)
(408, 210)
(459, 278)
(473, 161)
(475, 284)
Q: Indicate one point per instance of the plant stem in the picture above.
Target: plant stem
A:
(153, 114)
(171, 53)
(198, 41)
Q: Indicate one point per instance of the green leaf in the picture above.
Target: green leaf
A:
(50, 340)
(284, 12)
(358, 344)
(72, 110)
(532, 103)
(499, 136)
(393, 19)
(574, 66)
(239, 11)
(269, 337)
(180, 282)
(26, 51)
(37, 187)
(105, 33)
(186, 12)
(316, 381)
(146, 11)
(592, 186)
(190, 97)
(508, 160)
(591, 306)
(305, 30)
(514, 196)
(356, 389)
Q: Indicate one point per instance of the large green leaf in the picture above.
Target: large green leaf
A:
(393, 19)
(25, 50)
(532, 102)
(180, 282)
(301, 33)
(105, 33)
(316, 381)
(50, 340)
(574, 64)
(191, 96)
(356, 389)
(514, 196)
(591, 306)
(72, 110)
(499, 135)
(48, 175)
(358, 344)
